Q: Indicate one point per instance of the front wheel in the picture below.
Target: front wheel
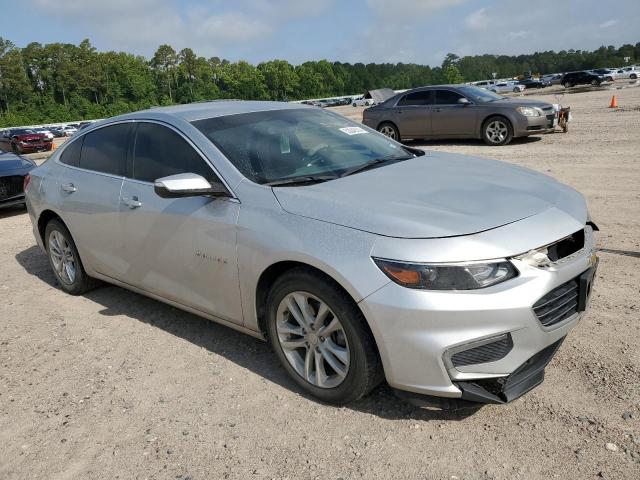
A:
(633, 76)
(321, 338)
(497, 131)
(390, 130)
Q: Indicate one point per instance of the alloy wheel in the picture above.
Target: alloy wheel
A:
(312, 339)
(389, 131)
(496, 131)
(62, 258)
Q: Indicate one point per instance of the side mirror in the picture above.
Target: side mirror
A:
(188, 185)
(464, 101)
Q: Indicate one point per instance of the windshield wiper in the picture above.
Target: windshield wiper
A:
(374, 163)
(304, 180)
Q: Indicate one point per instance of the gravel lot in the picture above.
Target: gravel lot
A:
(115, 385)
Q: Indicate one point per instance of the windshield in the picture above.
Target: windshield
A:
(479, 95)
(23, 131)
(272, 146)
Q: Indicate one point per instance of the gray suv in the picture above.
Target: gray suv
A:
(459, 111)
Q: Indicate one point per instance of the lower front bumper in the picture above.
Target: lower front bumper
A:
(505, 389)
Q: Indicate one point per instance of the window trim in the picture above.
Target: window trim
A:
(75, 139)
(440, 105)
(129, 157)
(406, 94)
(184, 137)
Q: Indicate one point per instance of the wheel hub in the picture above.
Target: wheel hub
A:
(312, 339)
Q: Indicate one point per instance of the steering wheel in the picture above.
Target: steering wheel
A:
(313, 157)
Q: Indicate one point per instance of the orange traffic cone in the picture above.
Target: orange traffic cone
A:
(614, 102)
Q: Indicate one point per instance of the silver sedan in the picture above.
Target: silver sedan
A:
(359, 259)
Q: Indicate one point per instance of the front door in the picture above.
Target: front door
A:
(450, 118)
(182, 249)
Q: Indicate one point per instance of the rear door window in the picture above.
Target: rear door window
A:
(423, 97)
(447, 97)
(105, 150)
(160, 152)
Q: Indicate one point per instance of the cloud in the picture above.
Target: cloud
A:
(477, 20)
(142, 25)
(608, 23)
(409, 8)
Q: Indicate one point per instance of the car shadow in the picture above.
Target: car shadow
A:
(15, 210)
(469, 141)
(243, 350)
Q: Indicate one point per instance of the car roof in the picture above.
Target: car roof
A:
(217, 108)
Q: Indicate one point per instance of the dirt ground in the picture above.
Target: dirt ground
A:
(115, 385)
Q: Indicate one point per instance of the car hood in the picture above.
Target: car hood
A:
(520, 102)
(433, 196)
(9, 161)
(30, 136)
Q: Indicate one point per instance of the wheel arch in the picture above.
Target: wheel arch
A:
(45, 217)
(279, 268)
(390, 122)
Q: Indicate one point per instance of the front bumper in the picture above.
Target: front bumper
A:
(418, 332)
(532, 125)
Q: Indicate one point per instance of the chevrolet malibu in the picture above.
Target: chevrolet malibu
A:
(460, 111)
(359, 259)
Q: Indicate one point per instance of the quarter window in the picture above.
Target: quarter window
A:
(160, 152)
(416, 98)
(447, 97)
(71, 153)
(105, 150)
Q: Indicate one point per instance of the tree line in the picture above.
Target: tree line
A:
(60, 82)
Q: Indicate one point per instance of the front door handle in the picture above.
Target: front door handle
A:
(132, 202)
(69, 188)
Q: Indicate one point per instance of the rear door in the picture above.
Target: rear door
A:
(412, 114)
(89, 193)
(182, 249)
(450, 118)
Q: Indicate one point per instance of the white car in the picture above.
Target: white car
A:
(46, 132)
(632, 72)
(506, 87)
(362, 102)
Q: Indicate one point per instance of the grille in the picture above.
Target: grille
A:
(10, 186)
(559, 304)
(489, 352)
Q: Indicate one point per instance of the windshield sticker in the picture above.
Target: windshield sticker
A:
(353, 130)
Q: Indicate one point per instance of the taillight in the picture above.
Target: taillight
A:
(26, 182)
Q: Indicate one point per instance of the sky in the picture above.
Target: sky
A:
(419, 31)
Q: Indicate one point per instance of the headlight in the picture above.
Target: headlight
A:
(529, 111)
(470, 276)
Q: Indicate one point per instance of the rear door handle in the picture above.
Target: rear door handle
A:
(69, 188)
(132, 202)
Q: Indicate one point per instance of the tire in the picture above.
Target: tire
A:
(595, 83)
(633, 76)
(389, 130)
(497, 131)
(567, 85)
(516, 90)
(74, 280)
(354, 104)
(360, 366)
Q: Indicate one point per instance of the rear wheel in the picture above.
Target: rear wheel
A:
(390, 130)
(497, 131)
(516, 90)
(65, 260)
(321, 338)
(15, 148)
(633, 76)
(567, 85)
